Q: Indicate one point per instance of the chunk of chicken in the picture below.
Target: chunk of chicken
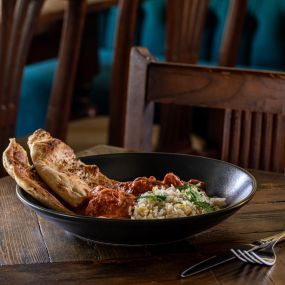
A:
(110, 203)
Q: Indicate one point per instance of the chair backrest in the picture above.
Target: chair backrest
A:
(185, 25)
(18, 21)
(185, 22)
(212, 87)
(17, 25)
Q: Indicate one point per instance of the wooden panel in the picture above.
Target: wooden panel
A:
(21, 239)
(217, 87)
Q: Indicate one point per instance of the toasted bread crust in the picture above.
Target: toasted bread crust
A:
(58, 166)
(15, 161)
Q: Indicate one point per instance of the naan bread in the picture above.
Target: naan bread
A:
(16, 163)
(58, 166)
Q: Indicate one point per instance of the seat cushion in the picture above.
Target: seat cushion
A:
(34, 96)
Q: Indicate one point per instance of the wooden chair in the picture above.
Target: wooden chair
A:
(19, 18)
(185, 23)
(185, 26)
(261, 147)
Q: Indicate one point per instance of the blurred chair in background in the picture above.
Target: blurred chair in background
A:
(42, 63)
(212, 87)
(262, 34)
(18, 21)
(185, 24)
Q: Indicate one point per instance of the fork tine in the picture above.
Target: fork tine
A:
(255, 258)
(248, 258)
(238, 256)
(262, 260)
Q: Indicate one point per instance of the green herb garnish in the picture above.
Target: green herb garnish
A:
(183, 187)
(156, 198)
(194, 196)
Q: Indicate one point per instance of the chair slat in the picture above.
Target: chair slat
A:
(278, 144)
(226, 135)
(7, 10)
(198, 26)
(235, 138)
(245, 138)
(233, 31)
(267, 141)
(256, 140)
(28, 26)
(12, 48)
(60, 101)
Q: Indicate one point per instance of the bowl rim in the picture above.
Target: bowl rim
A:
(57, 214)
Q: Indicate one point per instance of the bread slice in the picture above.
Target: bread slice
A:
(58, 166)
(16, 163)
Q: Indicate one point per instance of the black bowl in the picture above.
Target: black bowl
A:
(222, 180)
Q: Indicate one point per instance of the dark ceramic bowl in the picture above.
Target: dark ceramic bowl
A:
(222, 180)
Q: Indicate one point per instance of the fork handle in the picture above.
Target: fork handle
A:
(275, 238)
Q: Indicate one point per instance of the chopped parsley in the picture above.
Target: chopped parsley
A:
(196, 197)
(156, 198)
(183, 187)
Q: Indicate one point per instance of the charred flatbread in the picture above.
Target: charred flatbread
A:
(16, 163)
(66, 175)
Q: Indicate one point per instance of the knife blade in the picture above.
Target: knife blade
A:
(218, 260)
(207, 264)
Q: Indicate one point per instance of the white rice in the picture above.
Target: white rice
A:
(171, 203)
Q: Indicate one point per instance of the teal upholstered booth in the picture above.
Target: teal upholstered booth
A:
(262, 46)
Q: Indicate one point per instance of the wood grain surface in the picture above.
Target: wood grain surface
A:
(33, 251)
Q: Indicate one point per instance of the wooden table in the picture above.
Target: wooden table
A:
(33, 251)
